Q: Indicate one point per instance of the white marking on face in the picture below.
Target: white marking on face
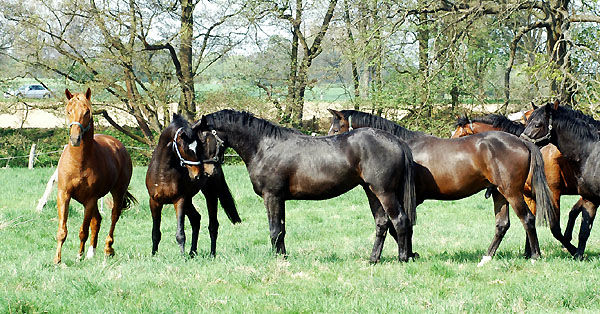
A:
(453, 132)
(193, 146)
(331, 128)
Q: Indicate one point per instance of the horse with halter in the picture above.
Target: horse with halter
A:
(559, 173)
(285, 164)
(576, 136)
(90, 167)
(182, 165)
(450, 169)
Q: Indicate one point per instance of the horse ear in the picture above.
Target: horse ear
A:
(336, 113)
(533, 105)
(68, 94)
(200, 124)
(88, 94)
(555, 104)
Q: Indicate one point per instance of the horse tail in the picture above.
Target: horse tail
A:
(545, 210)
(226, 199)
(128, 200)
(410, 196)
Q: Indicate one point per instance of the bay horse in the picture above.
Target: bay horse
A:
(451, 169)
(576, 137)
(176, 173)
(90, 167)
(559, 174)
(285, 164)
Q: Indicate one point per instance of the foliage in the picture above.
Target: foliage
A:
(327, 269)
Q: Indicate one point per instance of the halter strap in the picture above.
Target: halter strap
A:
(220, 142)
(350, 128)
(543, 138)
(182, 161)
(83, 130)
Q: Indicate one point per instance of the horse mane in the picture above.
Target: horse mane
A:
(373, 121)
(249, 123)
(582, 126)
(502, 122)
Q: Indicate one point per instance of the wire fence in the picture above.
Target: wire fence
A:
(35, 154)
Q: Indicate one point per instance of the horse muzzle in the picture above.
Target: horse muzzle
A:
(75, 140)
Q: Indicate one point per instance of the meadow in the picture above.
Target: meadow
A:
(327, 269)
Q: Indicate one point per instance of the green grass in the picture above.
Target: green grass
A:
(327, 270)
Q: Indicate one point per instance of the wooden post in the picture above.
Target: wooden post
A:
(32, 156)
(49, 186)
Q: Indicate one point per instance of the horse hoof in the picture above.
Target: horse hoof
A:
(373, 261)
(578, 257)
(109, 252)
(56, 260)
(415, 255)
(79, 258)
(193, 254)
(484, 260)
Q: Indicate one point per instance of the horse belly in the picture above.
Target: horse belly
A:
(319, 187)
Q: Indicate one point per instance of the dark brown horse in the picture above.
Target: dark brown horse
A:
(285, 164)
(177, 172)
(559, 174)
(576, 137)
(450, 169)
(90, 167)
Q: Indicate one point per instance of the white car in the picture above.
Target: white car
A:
(30, 91)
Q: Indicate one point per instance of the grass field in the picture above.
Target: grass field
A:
(327, 270)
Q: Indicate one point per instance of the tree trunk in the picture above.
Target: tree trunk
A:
(423, 38)
(353, 66)
(187, 102)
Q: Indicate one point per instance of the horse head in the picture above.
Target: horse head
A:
(539, 124)
(79, 115)
(464, 127)
(185, 146)
(339, 123)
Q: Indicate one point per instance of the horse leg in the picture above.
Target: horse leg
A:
(381, 225)
(399, 219)
(502, 225)
(213, 222)
(62, 202)
(575, 210)
(194, 218)
(88, 212)
(180, 217)
(114, 217)
(528, 221)
(95, 228)
(587, 220)
(276, 213)
(156, 210)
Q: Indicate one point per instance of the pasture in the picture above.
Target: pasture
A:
(327, 270)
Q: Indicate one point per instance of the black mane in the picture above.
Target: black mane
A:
(248, 122)
(373, 121)
(501, 122)
(582, 126)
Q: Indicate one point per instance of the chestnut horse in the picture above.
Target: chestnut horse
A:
(90, 167)
(285, 164)
(450, 169)
(560, 176)
(176, 173)
(576, 136)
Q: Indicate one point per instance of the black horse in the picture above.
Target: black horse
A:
(576, 136)
(169, 180)
(450, 169)
(284, 164)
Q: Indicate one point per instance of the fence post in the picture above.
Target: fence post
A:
(32, 156)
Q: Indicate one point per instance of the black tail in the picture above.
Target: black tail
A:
(226, 199)
(545, 210)
(410, 197)
(128, 200)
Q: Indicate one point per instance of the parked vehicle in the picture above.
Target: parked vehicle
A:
(30, 91)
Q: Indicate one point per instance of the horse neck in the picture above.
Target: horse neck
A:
(242, 140)
(574, 150)
(85, 150)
